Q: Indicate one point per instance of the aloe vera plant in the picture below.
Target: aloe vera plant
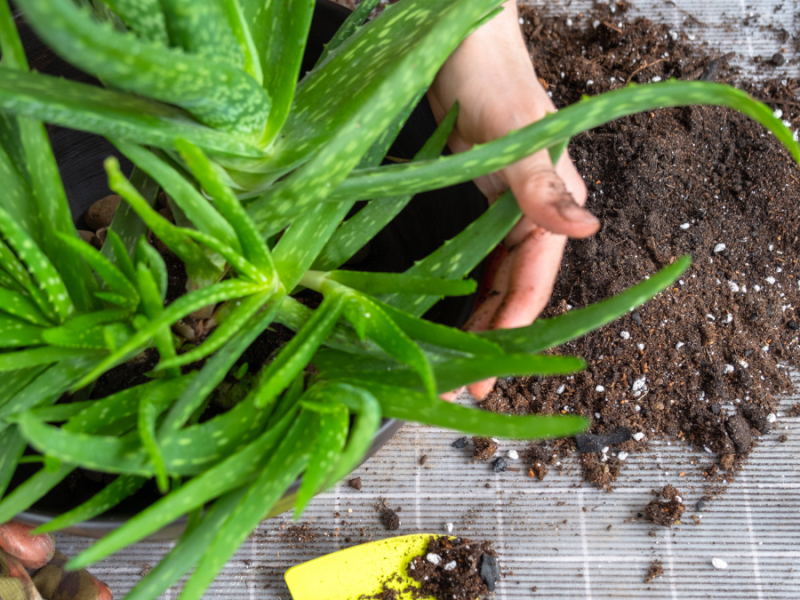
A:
(262, 174)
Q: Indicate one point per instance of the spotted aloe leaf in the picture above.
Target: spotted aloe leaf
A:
(21, 306)
(354, 20)
(334, 424)
(400, 403)
(552, 131)
(279, 31)
(401, 283)
(196, 208)
(12, 445)
(367, 413)
(548, 333)
(363, 226)
(144, 17)
(153, 308)
(458, 256)
(287, 462)
(200, 270)
(223, 97)
(201, 28)
(341, 107)
(16, 333)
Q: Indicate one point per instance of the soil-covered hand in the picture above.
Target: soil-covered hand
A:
(493, 80)
(32, 569)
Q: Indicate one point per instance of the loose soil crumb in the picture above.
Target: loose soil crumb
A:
(701, 361)
(355, 483)
(656, 570)
(298, 536)
(485, 448)
(665, 513)
(388, 516)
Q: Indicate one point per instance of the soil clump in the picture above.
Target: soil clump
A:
(668, 511)
(703, 361)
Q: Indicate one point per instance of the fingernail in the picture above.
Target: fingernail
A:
(570, 211)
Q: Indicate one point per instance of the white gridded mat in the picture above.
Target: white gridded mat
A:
(564, 537)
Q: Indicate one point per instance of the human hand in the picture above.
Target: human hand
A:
(493, 80)
(21, 552)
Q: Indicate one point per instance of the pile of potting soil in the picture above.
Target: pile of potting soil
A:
(704, 361)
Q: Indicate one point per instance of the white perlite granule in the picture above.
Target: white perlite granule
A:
(638, 436)
(599, 388)
(734, 286)
(448, 527)
(434, 559)
(450, 566)
(685, 226)
(622, 455)
(771, 418)
(624, 335)
(719, 248)
(513, 455)
(719, 563)
(729, 369)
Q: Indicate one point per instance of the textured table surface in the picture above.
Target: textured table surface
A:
(565, 538)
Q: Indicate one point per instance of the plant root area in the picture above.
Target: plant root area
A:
(704, 361)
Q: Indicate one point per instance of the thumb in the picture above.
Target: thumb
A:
(545, 199)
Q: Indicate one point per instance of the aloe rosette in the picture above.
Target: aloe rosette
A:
(261, 174)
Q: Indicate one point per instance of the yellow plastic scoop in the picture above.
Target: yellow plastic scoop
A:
(357, 571)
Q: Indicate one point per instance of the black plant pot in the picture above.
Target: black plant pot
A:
(429, 220)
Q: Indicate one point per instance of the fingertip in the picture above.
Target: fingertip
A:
(481, 389)
(452, 394)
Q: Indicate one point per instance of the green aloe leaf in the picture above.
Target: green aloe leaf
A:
(295, 355)
(148, 413)
(149, 256)
(548, 333)
(401, 283)
(458, 256)
(222, 97)
(354, 20)
(552, 131)
(85, 331)
(119, 250)
(199, 210)
(279, 31)
(110, 113)
(113, 277)
(188, 550)
(229, 474)
(252, 243)
(333, 428)
(237, 20)
(23, 282)
(370, 321)
(451, 374)
(31, 490)
(287, 462)
(201, 28)
(38, 264)
(16, 381)
(22, 307)
(12, 445)
(153, 308)
(239, 263)
(200, 270)
(362, 433)
(404, 404)
(122, 487)
(143, 17)
(22, 359)
(364, 225)
(61, 412)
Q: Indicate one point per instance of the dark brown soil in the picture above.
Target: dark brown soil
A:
(299, 536)
(484, 448)
(454, 569)
(355, 483)
(667, 512)
(388, 517)
(656, 570)
(701, 362)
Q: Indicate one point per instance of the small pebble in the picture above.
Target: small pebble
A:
(771, 418)
(499, 465)
(778, 60)
(513, 455)
(686, 226)
(448, 527)
(719, 563)
(792, 324)
(700, 505)
(460, 443)
(719, 248)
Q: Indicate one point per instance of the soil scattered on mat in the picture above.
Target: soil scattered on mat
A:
(485, 448)
(701, 361)
(388, 517)
(656, 570)
(666, 512)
